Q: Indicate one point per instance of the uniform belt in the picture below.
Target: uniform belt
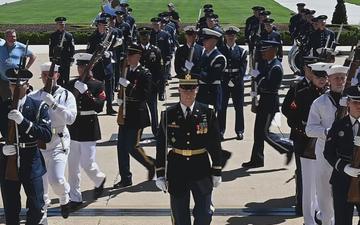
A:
(189, 152)
(231, 70)
(215, 82)
(28, 144)
(87, 113)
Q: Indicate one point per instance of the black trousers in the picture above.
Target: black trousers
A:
(64, 71)
(34, 191)
(203, 208)
(152, 105)
(128, 144)
(261, 133)
(237, 95)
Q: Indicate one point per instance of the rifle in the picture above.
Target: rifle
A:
(13, 161)
(99, 52)
(254, 99)
(49, 82)
(122, 95)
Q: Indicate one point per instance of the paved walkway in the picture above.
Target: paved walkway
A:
(325, 7)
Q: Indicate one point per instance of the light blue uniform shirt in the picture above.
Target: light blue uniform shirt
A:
(10, 56)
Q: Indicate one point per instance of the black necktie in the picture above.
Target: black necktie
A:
(188, 113)
(358, 127)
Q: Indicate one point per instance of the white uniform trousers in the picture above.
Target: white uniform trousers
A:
(55, 161)
(323, 173)
(309, 198)
(82, 154)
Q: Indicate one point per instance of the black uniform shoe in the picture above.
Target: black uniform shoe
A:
(252, 164)
(123, 183)
(65, 210)
(110, 111)
(99, 190)
(74, 205)
(239, 136)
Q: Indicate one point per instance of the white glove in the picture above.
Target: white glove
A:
(49, 99)
(119, 101)
(81, 87)
(9, 150)
(107, 54)
(343, 101)
(16, 116)
(123, 82)
(351, 171)
(253, 93)
(354, 81)
(188, 64)
(161, 183)
(255, 73)
(231, 83)
(216, 181)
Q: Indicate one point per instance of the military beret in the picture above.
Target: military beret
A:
(209, 33)
(268, 20)
(134, 49)
(269, 44)
(82, 58)
(23, 75)
(231, 30)
(190, 30)
(46, 67)
(156, 20)
(60, 19)
(188, 81)
(300, 4)
(337, 69)
(258, 8)
(144, 31)
(207, 6)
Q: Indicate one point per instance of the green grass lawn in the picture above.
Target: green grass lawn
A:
(356, 2)
(83, 11)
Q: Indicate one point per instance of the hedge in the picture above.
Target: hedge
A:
(349, 36)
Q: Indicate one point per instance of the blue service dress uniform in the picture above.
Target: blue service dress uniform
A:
(339, 151)
(268, 86)
(318, 39)
(66, 54)
(161, 39)
(233, 85)
(182, 54)
(137, 118)
(209, 70)
(35, 126)
(188, 164)
(151, 59)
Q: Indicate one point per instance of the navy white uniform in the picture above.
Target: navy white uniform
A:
(57, 150)
(233, 85)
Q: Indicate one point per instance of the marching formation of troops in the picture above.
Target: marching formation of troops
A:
(48, 129)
